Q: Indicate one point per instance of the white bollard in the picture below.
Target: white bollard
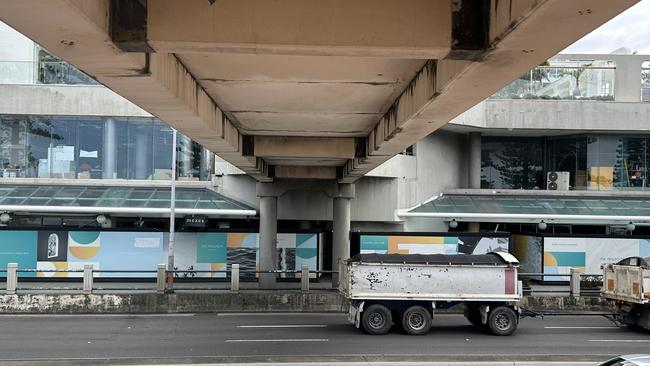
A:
(88, 279)
(304, 278)
(12, 278)
(575, 282)
(234, 278)
(160, 279)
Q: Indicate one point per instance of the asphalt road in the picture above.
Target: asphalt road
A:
(160, 339)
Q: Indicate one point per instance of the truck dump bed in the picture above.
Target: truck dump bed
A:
(628, 280)
(489, 277)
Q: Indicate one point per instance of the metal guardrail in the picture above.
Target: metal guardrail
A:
(575, 282)
(162, 276)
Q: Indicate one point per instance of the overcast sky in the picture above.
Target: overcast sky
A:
(630, 29)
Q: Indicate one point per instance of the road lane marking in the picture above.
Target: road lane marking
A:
(560, 327)
(278, 340)
(284, 326)
(280, 314)
(621, 340)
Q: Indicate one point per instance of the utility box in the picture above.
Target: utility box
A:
(557, 181)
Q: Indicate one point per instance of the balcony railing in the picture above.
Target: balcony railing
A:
(51, 73)
(562, 83)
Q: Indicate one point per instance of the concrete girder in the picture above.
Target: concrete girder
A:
(521, 34)
(156, 82)
(305, 172)
(366, 28)
(304, 147)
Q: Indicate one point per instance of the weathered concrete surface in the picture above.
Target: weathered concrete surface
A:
(222, 301)
(568, 304)
(279, 301)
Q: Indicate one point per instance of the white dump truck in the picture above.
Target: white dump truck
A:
(627, 284)
(407, 289)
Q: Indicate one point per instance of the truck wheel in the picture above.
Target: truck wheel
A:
(416, 320)
(376, 319)
(502, 321)
(473, 314)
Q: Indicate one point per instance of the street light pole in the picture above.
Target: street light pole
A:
(172, 218)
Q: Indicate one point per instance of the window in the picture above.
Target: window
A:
(96, 148)
(512, 163)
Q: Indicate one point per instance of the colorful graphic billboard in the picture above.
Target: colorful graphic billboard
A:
(18, 247)
(528, 250)
(422, 244)
(50, 250)
(110, 250)
(588, 254)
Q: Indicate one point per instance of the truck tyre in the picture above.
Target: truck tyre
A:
(376, 319)
(502, 321)
(473, 314)
(416, 320)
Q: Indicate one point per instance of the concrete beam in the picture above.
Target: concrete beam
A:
(522, 35)
(304, 172)
(304, 147)
(368, 28)
(79, 33)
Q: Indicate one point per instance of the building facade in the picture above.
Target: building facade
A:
(85, 159)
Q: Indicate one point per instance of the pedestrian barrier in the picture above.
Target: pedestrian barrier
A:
(579, 284)
(162, 285)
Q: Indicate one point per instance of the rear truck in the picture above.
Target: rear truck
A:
(406, 290)
(627, 284)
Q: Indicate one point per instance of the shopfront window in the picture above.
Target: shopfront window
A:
(617, 163)
(96, 148)
(601, 162)
(512, 163)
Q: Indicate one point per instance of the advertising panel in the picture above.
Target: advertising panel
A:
(110, 250)
(528, 250)
(18, 247)
(421, 244)
(587, 254)
(48, 251)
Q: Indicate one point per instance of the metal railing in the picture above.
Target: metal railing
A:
(562, 83)
(235, 274)
(580, 284)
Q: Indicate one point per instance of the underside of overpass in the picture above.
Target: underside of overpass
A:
(324, 89)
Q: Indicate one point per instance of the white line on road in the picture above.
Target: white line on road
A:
(278, 340)
(621, 340)
(609, 327)
(280, 314)
(284, 326)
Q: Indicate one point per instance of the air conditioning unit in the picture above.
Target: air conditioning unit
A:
(557, 181)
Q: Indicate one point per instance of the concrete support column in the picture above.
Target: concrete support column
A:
(109, 150)
(268, 236)
(341, 227)
(474, 161)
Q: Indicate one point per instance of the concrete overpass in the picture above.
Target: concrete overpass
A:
(290, 90)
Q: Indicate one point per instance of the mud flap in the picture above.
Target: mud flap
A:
(354, 314)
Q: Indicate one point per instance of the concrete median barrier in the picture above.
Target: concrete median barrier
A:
(245, 301)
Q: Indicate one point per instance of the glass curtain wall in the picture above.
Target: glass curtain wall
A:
(96, 148)
(512, 163)
(594, 162)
